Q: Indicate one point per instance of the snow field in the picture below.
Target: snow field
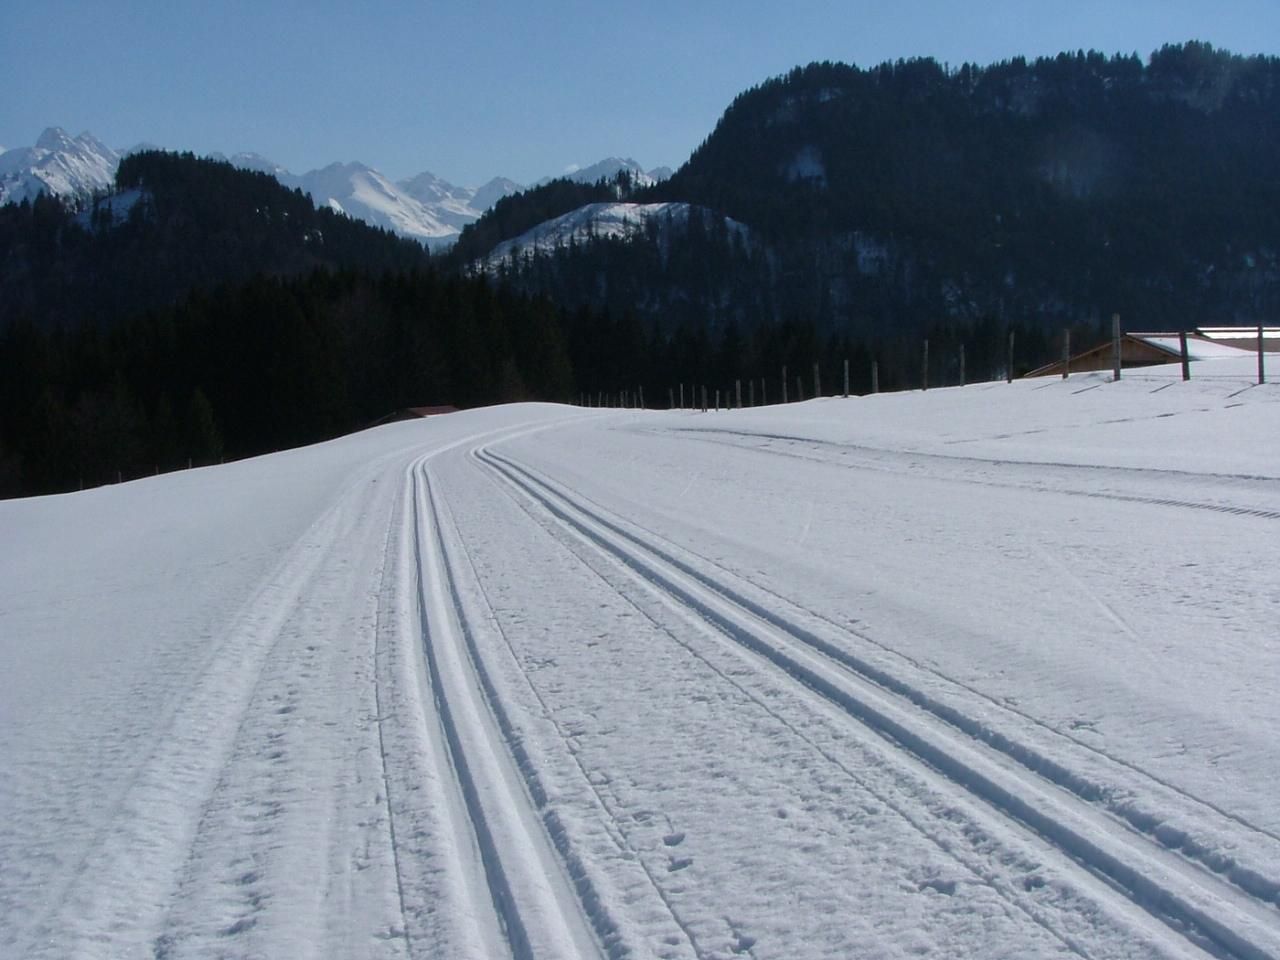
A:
(978, 672)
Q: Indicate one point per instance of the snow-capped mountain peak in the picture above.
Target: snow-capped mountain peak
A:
(59, 164)
(607, 169)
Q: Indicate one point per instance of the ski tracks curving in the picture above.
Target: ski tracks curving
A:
(1138, 858)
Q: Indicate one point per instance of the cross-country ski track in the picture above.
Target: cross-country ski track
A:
(982, 672)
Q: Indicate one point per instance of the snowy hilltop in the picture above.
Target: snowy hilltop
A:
(598, 221)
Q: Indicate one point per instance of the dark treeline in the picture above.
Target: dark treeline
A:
(272, 363)
(275, 363)
(175, 223)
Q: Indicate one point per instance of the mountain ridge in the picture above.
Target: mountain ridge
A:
(424, 207)
(911, 195)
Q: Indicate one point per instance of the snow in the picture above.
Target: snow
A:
(1197, 349)
(118, 205)
(608, 169)
(981, 671)
(599, 221)
(57, 164)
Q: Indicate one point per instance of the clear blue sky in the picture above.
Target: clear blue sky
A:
(474, 90)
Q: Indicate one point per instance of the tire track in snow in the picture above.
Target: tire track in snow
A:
(533, 896)
(1192, 901)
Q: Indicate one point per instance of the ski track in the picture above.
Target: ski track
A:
(536, 901)
(678, 633)
(1157, 870)
(944, 467)
(523, 749)
(768, 603)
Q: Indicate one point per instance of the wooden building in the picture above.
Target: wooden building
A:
(1154, 349)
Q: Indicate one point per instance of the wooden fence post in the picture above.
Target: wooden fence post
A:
(1115, 346)
(1262, 370)
(737, 388)
(1186, 357)
(846, 378)
(671, 398)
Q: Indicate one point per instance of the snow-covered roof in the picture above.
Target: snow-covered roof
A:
(1238, 333)
(1197, 347)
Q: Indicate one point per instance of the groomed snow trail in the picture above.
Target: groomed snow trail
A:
(1053, 803)
(988, 672)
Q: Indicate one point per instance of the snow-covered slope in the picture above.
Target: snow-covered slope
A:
(978, 672)
(58, 164)
(451, 205)
(597, 220)
(364, 193)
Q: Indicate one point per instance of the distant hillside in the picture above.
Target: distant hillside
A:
(1051, 191)
(172, 224)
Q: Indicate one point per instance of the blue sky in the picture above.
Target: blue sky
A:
(474, 90)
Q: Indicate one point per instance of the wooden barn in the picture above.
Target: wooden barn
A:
(1153, 349)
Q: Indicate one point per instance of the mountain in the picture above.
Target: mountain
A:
(424, 207)
(609, 168)
(59, 164)
(911, 196)
(365, 194)
(490, 193)
(173, 223)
